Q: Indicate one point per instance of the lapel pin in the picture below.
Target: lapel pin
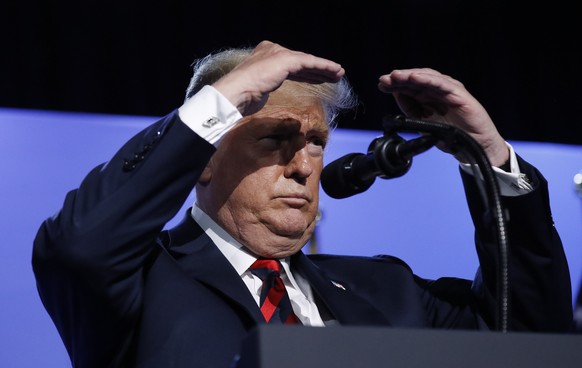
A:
(337, 285)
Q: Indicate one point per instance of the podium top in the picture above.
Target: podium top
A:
(347, 346)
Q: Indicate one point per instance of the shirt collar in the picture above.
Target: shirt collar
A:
(233, 250)
(236, 253)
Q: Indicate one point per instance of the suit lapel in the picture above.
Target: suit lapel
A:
(199, 257)
(345, 304)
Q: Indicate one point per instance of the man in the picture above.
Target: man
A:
(250, 138)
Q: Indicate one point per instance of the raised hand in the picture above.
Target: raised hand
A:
(248, 85)
(428, 94)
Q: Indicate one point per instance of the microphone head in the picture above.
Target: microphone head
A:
(340, 180)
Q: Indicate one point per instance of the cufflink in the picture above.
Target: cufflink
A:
(209, 123)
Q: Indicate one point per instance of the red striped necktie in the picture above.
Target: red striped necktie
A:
(274, 301)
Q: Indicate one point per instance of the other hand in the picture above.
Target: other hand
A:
(425, 93)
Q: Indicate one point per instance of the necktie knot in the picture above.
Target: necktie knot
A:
(268, 264)
(274, 300)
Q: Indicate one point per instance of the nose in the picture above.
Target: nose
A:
(300, 166)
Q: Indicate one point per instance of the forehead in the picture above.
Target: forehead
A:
(292, 102)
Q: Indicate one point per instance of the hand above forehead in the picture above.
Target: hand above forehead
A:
(248, 85)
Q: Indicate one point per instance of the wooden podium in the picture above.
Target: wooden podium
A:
(360, 347)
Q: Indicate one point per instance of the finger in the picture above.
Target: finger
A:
(411, 79)
(317, 75)
(415, 108)
(313, 67)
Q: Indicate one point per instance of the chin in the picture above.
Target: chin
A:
(281, 250)
(292, 229)
(293, 224)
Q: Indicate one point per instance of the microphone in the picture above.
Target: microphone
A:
(388, 157)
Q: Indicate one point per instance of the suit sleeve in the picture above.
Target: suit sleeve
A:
(89, 258)
(539, 279)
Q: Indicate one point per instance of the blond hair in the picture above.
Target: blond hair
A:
(335, 97)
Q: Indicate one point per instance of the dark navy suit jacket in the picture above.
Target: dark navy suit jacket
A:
(123, 292)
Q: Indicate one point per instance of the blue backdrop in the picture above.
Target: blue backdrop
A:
(421, 217)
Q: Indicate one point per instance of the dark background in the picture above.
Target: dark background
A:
(133, 57)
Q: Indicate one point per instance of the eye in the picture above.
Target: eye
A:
(318, 141)
(274, 141)
(316, 145)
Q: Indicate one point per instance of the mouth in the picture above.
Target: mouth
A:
(294, 200)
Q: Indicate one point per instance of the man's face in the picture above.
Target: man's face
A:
(262, 184)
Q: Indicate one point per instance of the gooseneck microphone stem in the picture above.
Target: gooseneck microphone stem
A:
(393, 155)
(458, 141)
(389, 156)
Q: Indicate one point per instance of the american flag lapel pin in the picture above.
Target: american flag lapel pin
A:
(337, 285)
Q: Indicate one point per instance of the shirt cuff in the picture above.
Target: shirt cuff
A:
(511, 184)
(209, 114)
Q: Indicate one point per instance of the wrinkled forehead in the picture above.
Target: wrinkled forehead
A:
(290, 101)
